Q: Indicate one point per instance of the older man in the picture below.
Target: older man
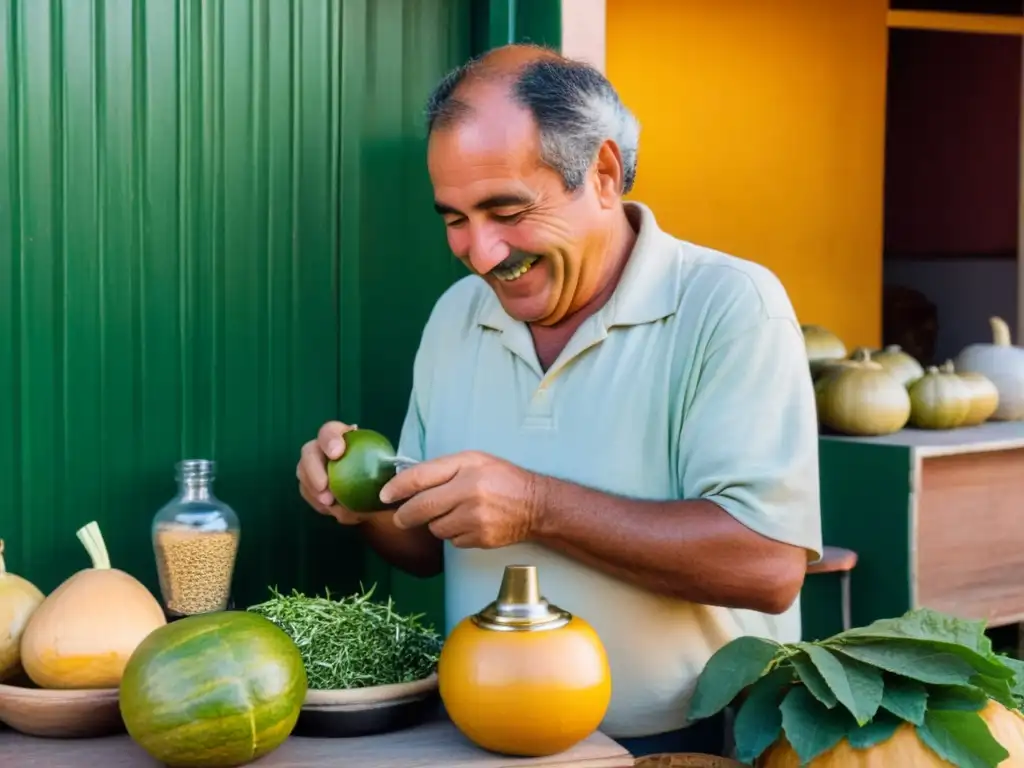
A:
(630, 412)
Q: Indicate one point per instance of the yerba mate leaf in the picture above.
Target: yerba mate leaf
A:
(904, 698)
(880, 729)
(857, 686)
(810, 727)
(811, 677)
(758, 722)
(961, 738)
(918, 661)
(730, 669)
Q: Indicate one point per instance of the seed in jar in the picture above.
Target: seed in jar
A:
(195, 568)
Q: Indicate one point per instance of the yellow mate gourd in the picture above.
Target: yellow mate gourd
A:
(904, 749)
(19, 598)
(85, 630)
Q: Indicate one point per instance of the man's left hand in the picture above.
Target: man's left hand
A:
(472, 499)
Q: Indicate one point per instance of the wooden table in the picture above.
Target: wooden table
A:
(434, 745)
(936, 518)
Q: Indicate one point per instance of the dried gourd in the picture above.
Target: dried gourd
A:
(19, 598)
(84, 632)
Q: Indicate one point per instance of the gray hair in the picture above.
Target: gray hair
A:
(575, 107)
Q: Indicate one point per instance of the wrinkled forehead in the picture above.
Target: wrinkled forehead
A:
(495, 136)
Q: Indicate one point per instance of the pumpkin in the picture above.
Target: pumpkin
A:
(216, 689)
(524, 677)
(1003, 364)
(939, 400)
(19, 598)
(903, 749)
(905, 368)
(84, 632)
(822, 345)
(984, 395)
(861, 398)
(365, 467)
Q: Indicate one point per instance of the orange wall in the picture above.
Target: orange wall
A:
(763, 136)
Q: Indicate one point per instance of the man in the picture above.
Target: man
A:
(629, 412)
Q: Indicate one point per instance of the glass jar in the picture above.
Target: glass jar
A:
(195, 540)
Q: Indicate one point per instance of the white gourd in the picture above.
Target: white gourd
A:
(1003, 364)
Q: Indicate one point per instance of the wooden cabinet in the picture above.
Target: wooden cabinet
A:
(937, 518)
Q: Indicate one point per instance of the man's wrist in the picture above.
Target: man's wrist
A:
(541, 503)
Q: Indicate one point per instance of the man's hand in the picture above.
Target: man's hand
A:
(471, 499)
(312, 473)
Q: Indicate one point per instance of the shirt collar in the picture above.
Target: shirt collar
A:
(647, 291)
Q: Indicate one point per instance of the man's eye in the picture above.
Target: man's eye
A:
(454, 222)
(508, 218)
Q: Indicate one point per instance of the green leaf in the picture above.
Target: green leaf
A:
(1017, 684)
(912, 660)
(880, 729)
(905, 698)
(758, 722)
(998, 690)
(811, 677)
(944, 633)
(810, 727)
(961, 738)
(927, 624)
(730, 669)
(961, 697)
(857, 686)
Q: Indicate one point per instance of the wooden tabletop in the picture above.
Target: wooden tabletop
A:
(984, 438)
(434, 745)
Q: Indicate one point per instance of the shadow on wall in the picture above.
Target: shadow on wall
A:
(965, 292)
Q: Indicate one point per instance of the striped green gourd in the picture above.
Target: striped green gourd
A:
(214, 690)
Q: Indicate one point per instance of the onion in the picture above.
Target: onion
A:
(861, 398)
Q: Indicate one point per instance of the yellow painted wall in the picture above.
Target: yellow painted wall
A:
(763, 136)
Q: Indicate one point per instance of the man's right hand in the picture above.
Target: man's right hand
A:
(312, 473)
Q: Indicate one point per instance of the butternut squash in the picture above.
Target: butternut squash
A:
(84, 632)
(19, 598)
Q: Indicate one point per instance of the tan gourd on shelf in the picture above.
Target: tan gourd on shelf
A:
(84, 632)
(939, 400)
(984, 395)
(822, 346)
(1003, 365)
(904, 749)
(859, 397)
(904, 367)
(19, 598)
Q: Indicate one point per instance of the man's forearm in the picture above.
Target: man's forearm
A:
(692, 550)
(414, 550)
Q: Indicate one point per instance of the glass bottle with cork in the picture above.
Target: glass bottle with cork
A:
(195, 540)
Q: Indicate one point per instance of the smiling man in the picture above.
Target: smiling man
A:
(629, 412)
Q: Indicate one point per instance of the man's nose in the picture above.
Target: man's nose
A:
(486, 251)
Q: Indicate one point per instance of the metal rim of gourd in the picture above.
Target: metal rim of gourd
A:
(520, 605)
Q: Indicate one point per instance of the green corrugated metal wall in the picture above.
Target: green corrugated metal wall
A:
(215, 233)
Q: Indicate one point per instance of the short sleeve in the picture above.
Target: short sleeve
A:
(749, 435)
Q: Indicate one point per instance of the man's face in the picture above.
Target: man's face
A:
(509, 217)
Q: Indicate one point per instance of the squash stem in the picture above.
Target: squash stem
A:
(1000, 332)
(92, 540)
(3, 565)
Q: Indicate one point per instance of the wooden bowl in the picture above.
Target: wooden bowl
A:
(365, 711)
(61, 714)
(686, 760)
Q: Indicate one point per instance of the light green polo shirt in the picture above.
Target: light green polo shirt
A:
(690, 383)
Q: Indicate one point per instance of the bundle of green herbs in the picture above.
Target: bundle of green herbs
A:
(354, 642)
(925, 668)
